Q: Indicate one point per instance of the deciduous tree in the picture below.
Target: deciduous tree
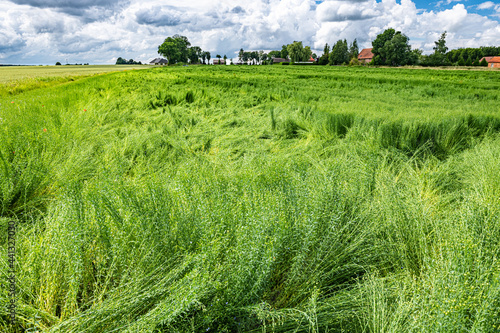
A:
(175, 49)
(194, 53)
(354, 50)
(284, 52)
(392, 48)
(339, 54)
(295, 51)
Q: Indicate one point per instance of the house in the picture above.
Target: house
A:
(494, 62)
(279, 60)
(485, 58)
(159, 61)
(219, 62)
(365, 56)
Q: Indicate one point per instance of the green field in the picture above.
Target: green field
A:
(16, 79)
(254, 199)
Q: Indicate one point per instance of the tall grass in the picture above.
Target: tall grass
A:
(244, 199)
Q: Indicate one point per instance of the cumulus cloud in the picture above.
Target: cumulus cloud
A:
(341, 11)
(159, 16)
(237, 10)
(486, 5)
(99, 31)
(67, 5)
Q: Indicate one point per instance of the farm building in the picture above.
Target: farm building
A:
(486, 58)
(279, 60)
(219, 62)
(494, 62)
(365, 56)
(159, 61)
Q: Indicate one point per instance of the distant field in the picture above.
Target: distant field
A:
(14, 79)
(254, 199)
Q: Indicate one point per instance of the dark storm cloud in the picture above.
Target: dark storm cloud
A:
(158, 17)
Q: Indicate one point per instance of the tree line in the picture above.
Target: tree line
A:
(178, 49)
(121, 61)
(390, 48)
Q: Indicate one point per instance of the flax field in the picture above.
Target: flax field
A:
(253, 199)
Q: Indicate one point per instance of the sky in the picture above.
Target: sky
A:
(99, 31)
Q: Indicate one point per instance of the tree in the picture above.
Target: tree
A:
(246, 56)
(59, 64)
(326, 49)
(240, 55)
(392, 48)
(483, 63)
(208, 56)
(264, 58)
(397, 50)
(254, 55)
(121, 61)
(284, 52)
(175, 49)
(339, 54)
(354, 50)
(379, 54)
(438, 58)
(274, 54)
(295, 51)
(461, 61)
(203, 57)
(194, 54)
(441, 47)
(307, 53)
(225, 58)
(323, 60)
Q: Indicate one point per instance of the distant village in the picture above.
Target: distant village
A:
(391, 48)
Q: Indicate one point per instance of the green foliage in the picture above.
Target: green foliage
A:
(284, 52)
(194, 54)
(354, 50)
(339, 54)
(250, 199)
(296, 51)
(472, 53)
(175, 49)
(392, 48)
(121, 61)
(379, 46)
(461, 61)
(438, 58)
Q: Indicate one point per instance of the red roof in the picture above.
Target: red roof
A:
(493, 60)
(311, 59)
(365, 54)
(486, 58)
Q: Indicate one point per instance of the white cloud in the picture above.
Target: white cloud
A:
(486, 5)
(46, 31)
